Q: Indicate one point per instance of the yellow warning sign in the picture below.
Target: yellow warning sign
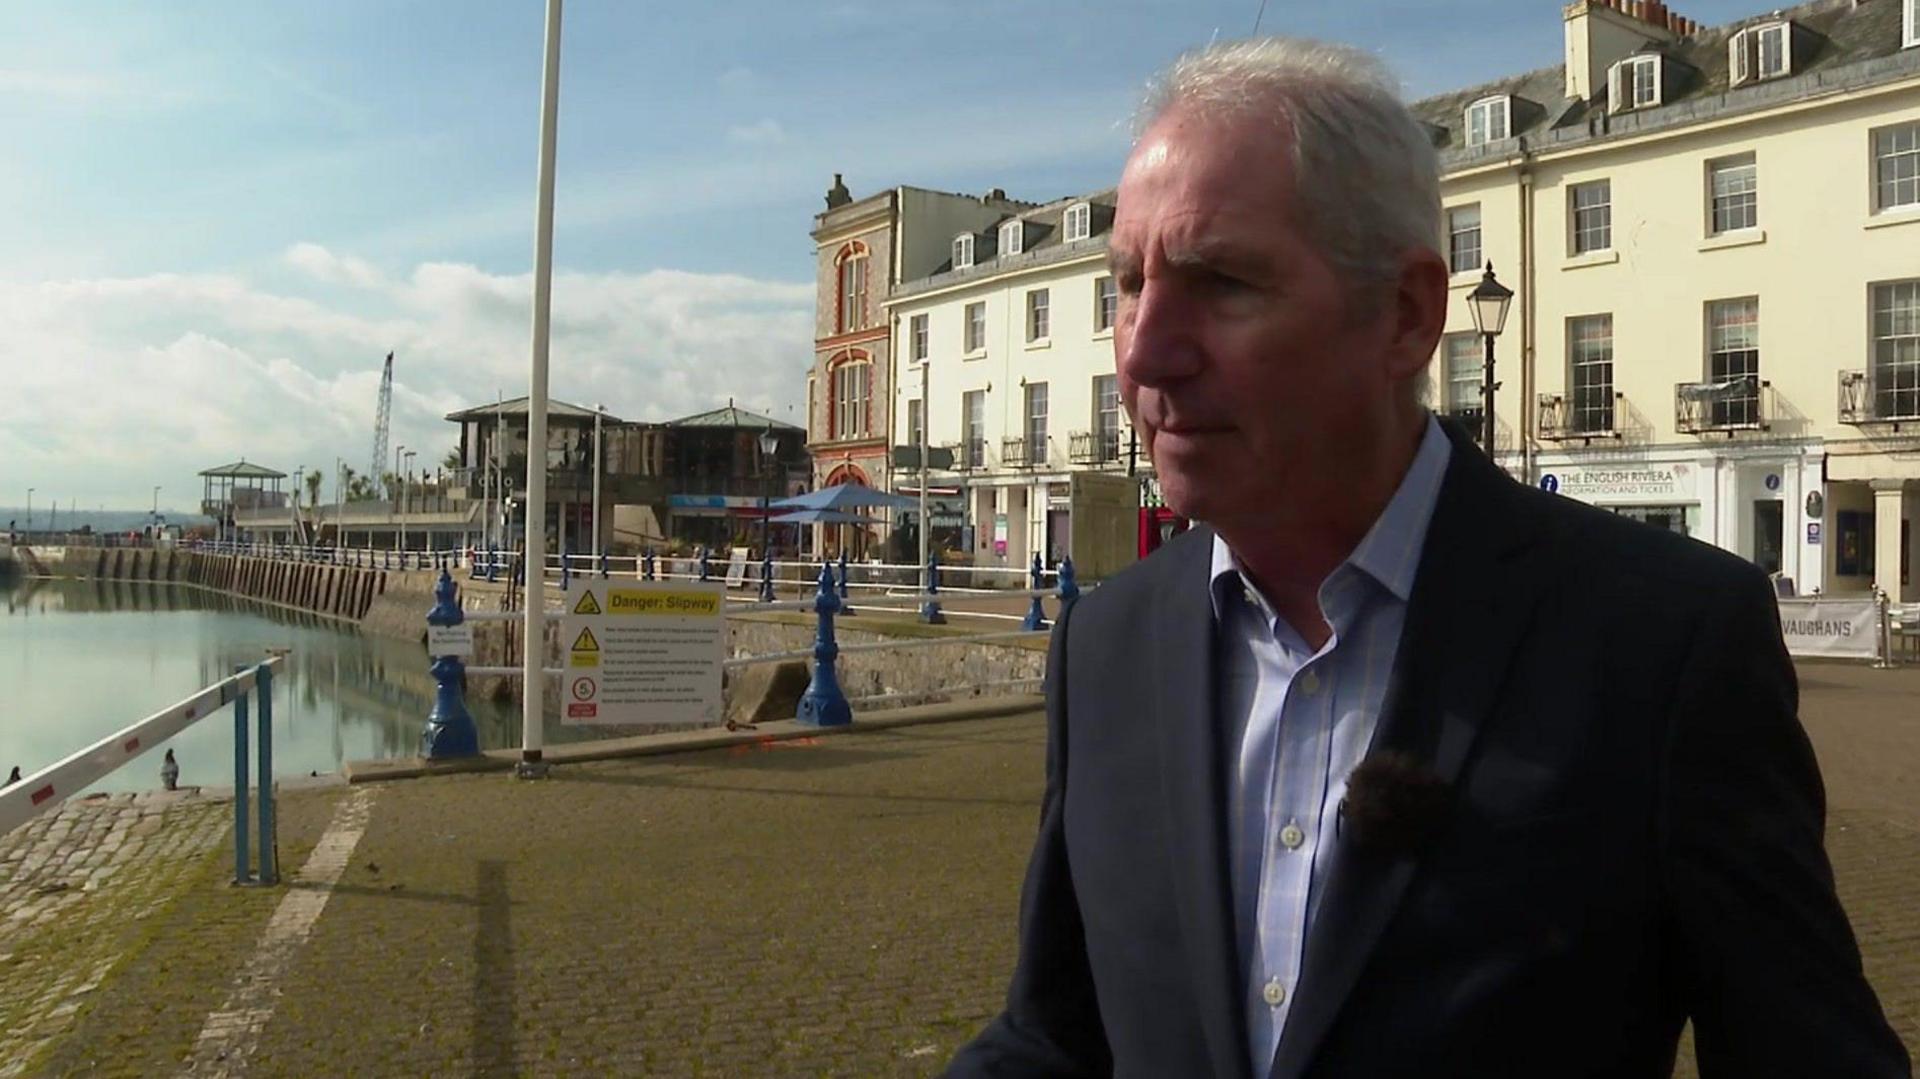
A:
(585, 642)
(587, 605)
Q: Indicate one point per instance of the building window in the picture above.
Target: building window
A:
(1590, 357)
(1463, 238)
(1461, 395)
(1735, 187)
(963, 251)
(973, 421)
(1896, 167)
(1896, 349)
(1912, 19)
(813, 424)
(1079, 221)
(1634, 83)
(853, 291)
(1037, 328)
(1011, 234)
(1036, 423)
(1759, 52)
(1487, 120)
(1106, 303)
(850, 399)
(976, 326)
(1592, 216)
(1106, 417)
(917, 337)
(913, 422)
(1733, 360)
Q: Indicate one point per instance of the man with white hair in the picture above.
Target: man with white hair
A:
(1396, 767)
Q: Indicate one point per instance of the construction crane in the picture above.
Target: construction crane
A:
(381, 421)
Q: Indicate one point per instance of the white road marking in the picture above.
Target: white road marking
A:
(233, 1032)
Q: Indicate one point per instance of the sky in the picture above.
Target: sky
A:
(224, 215)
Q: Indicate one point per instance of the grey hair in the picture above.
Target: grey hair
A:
(1365, 171)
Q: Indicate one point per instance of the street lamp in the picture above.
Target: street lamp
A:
(1488, 302)
(30, 491)
(769, 444)
(599, 414)
(399, 494)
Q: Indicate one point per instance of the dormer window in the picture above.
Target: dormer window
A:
(1488, 120)
(1079, 221)
(1011, 234)
(963, 251)
(1634, 83)
(1759, 52)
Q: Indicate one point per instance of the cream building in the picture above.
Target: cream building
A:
(1011, 341)
(1714, 237)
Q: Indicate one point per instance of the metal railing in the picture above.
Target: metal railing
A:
(824, 704)
(1865, 400)
(453, 557)
(1742, 403)
(47, 788)
(1095, 447)
(1583, 415)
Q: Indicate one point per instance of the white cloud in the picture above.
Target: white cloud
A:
(323, 265)
(739, 79)
(767, 132)
(117, 384)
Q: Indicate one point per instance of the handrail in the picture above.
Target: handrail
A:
(50, 786)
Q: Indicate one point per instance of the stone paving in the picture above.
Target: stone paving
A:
(835, 906)
(75, 887)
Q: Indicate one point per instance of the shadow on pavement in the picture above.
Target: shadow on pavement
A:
(493, 995)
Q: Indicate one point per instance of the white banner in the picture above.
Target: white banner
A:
(1845, 628)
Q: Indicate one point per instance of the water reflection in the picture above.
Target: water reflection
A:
(81, 659)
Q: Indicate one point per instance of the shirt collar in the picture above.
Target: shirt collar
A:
(1390, 551)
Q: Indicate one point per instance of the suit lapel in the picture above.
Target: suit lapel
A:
(1192, 764)
(1469, 606)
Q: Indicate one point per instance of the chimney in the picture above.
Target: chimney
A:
(838, 195)
(1601, 33)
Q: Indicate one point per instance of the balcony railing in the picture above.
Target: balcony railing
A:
(1862, 401)
(1095, 447)
(1013, 452)
(1583, 415)
(1742, 403)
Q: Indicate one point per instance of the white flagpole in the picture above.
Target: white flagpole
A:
(533, 682)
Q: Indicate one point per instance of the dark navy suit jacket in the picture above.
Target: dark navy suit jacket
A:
(1631, 834)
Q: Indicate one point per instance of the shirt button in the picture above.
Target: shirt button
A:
(1291, 837)
(1310, 682)
(1274, 994)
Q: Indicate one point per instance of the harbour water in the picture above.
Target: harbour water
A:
(80, 659)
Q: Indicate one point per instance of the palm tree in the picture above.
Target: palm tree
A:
(313, 481)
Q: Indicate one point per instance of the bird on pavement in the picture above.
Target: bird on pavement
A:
(169, 772)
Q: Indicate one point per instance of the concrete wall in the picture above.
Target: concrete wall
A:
(337, 591)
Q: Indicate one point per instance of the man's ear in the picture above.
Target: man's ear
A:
(1417, 302)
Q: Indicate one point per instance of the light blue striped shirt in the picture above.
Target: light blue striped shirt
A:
(1298, 722)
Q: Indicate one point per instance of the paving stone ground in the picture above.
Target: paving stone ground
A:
(844, 907)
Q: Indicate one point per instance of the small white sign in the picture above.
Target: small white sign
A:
(644, 652)
(450, 640)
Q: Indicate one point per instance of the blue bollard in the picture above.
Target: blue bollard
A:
(565, 572)
(646, 564)
(450, 731)
(846, 607)
(930, 610)
(603, 565)
(823, 705)
(269, 873)
(766, 576)
(1069, 587)
(387, 562)
(706, 565)
(1036, 617)
(242, 870)
(493, 562)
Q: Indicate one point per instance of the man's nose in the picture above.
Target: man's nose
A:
(1161, 339)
